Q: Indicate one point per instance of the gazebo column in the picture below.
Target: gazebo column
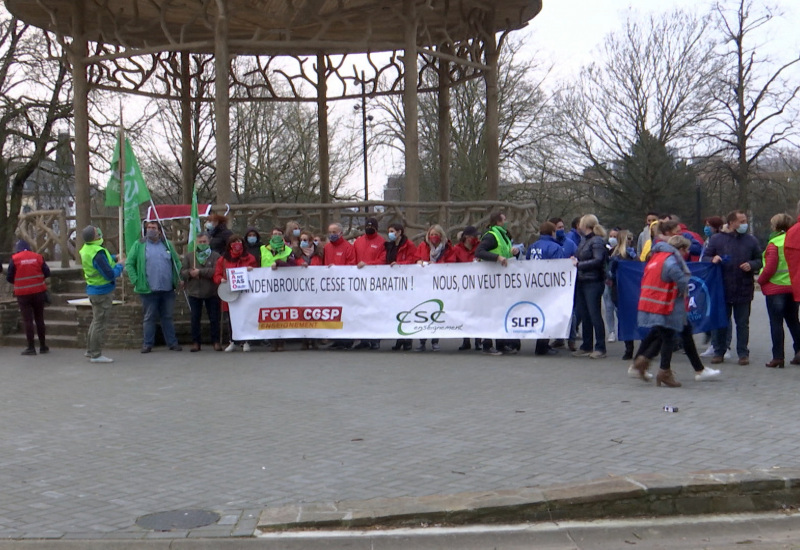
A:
(222, 105)
(411, 184)
(322, 131)
(444, 132)
(492, 114)
(187, 156)
(80, 103)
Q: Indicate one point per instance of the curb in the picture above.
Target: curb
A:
(641, 495)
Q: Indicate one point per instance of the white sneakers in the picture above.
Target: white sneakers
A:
(101, 359)
(707, 374)
(612, 336)
(246, 347)
(633, 373)
(710, 352)
(230, 347)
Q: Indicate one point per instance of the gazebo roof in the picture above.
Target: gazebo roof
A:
(273, 26)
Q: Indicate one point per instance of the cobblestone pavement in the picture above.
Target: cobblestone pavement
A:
(86, 449)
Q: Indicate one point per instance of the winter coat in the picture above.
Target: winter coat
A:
(592, 256)
(674, 270)
(736, 249)
(203, 286)
(546, 248)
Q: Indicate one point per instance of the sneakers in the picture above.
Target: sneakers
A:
(420, 347)
(363, 344)
(246, 347)
(634, 373)
(707, 374)
(597, 355)
(612, 336)
(176, 347)
(709, 352)
(377, 345)
(87, 354)
(492, 351)
(44, 349)
(435, 347)
(101, 359)
(581, 353)
(231, 347)
(29, 351)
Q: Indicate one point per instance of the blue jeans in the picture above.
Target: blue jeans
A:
(721, 339)
(212, 308)
(780, 308)
(588, 301)
(158, 306)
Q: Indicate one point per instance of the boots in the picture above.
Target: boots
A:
(641, 364)
(667, 378)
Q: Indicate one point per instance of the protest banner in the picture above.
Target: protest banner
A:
(705, 304)
(239, 279)
(525, 300)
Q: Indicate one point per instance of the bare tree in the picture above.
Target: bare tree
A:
(756, 95)
(34, 88)
(648, 89)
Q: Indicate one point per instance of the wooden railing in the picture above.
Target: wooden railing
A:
(53, 233)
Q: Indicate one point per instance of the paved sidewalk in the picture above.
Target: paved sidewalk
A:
(87, 449)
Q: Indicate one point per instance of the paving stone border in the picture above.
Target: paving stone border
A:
(640, 495)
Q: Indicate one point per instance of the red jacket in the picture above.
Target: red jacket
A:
(315, 259)
(370, 249)
(245, 260)
(340, 252)
(28, 274)
(462, 255)
(406, 251)
(424, 253)
(791, 250)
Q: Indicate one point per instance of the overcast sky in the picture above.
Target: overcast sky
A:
(568, 30)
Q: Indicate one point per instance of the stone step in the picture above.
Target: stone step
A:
(61, 328)
(53, 340)
(60, 313)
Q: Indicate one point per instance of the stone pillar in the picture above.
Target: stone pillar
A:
(492, 114)
(412, 166)
(187, 149)
(78, 53)
(222, 105)
(322, 131)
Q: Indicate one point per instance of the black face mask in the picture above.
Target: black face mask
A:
(370, 230)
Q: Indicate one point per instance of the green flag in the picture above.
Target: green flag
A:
(194, 222)
(135, 192)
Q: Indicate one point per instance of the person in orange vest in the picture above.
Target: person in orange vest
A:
(27, 271)
(661, 304)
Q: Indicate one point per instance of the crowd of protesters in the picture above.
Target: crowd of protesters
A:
(664, 244)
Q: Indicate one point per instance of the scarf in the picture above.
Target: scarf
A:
(436, 252)
(202, 256)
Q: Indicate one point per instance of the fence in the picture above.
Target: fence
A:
(53, 233)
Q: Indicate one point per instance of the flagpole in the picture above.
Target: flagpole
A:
(121, 192)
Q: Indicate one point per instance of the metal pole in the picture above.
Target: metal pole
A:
(364, 135)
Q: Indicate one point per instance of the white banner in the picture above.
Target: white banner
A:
(526, 299)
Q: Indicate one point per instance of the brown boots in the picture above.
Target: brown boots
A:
(667, 378)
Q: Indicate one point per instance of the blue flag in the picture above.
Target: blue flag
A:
(706, 304)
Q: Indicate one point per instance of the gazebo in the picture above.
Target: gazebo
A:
(143, 46)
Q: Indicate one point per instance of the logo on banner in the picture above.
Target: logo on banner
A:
(277, 318)
(525, 318)
(699, 303)
(428, 315)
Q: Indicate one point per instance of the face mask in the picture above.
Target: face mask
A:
(152, 234)
(392, 236)
(707, 231)
(560, 234)
(237, 249)
(303, 244)
(316, 242)
(612, 241)
(202, 247)
(209, 226)
(369, 231)
(99, 234)
(333, 237)
(296, 232)
(277, 243)
(435, 240)
(252, 239)
(742, 229)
